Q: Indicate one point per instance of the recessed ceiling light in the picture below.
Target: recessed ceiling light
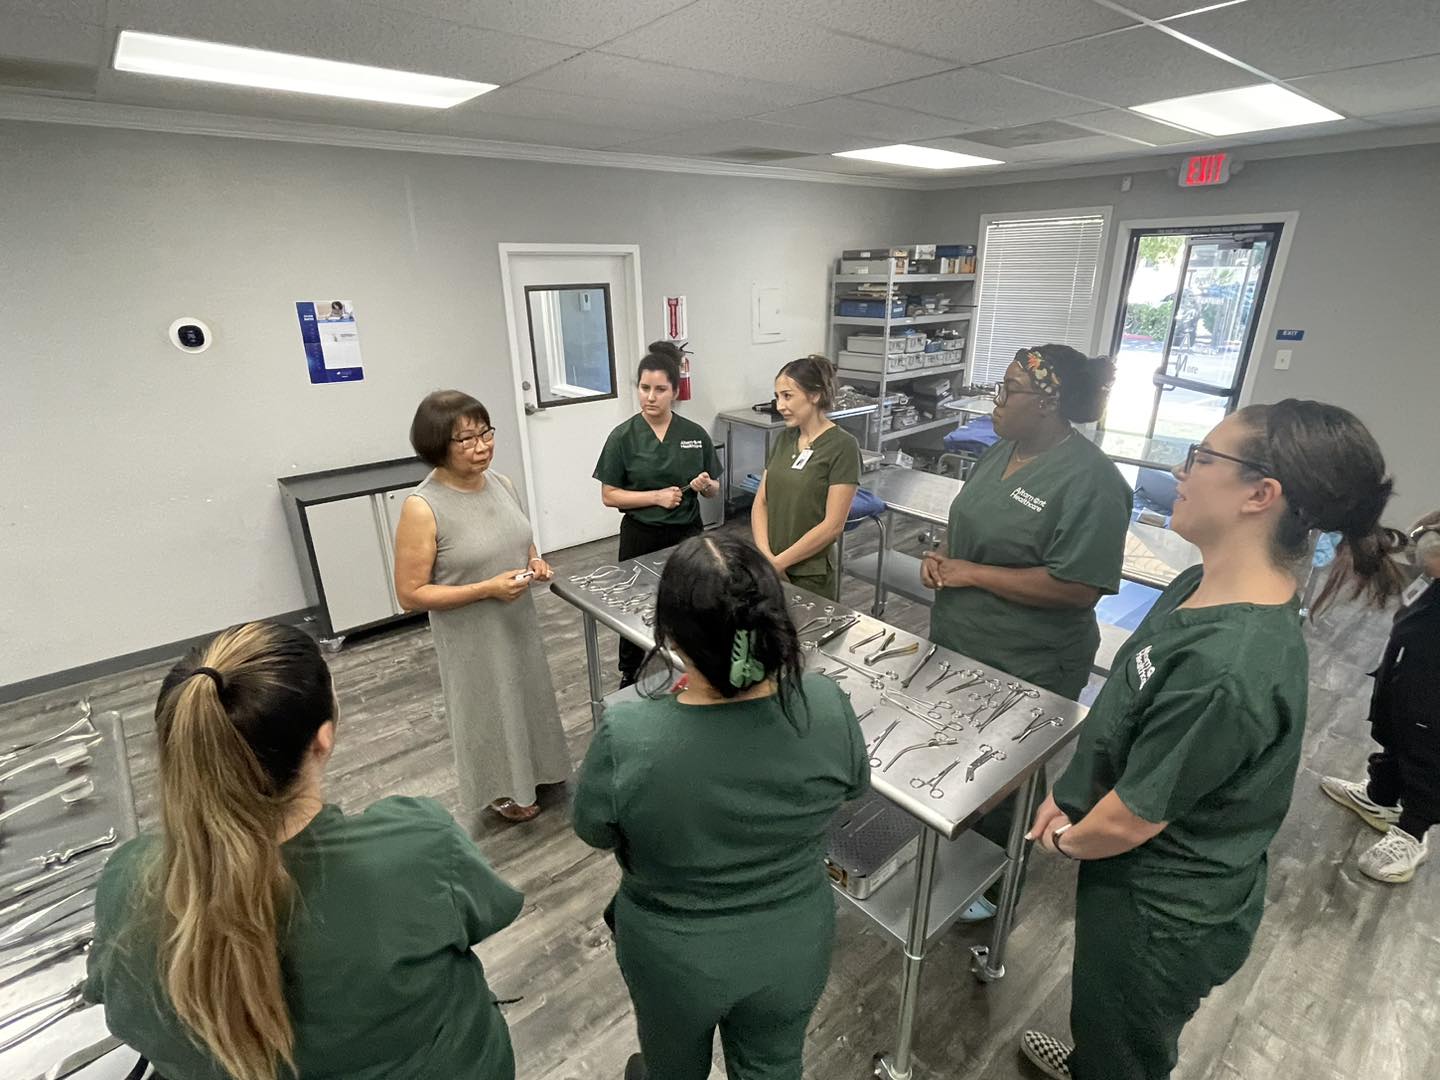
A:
(918, 157)
(236, 65)
(1232, 112)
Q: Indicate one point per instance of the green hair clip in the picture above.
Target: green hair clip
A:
(745, 670)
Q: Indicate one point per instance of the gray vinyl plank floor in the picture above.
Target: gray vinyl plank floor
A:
(1342, 983)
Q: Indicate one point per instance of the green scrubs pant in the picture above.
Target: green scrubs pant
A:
(1140, 975)
(757, 978)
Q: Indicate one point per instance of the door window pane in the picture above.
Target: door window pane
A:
(572, 343)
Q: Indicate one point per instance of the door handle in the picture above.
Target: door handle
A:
(531, 410)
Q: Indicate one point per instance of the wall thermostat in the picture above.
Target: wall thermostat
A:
(190, 335)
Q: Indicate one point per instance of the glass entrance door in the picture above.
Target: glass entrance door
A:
(1181, 357)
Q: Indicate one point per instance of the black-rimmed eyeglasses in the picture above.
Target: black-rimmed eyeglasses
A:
(1201, 450)
(1005, 391)
(470, 438)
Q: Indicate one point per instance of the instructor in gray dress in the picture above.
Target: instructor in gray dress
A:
(464, 552)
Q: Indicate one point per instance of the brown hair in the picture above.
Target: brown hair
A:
(235, 720)
(1333, 476)
(665, 357)
(435, 420)
(815, 375)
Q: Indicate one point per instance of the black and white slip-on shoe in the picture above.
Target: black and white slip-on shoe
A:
(1049, 1055)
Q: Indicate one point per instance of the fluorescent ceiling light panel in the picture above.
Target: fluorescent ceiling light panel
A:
(918, 157)
(236, 65)
(1233, 112)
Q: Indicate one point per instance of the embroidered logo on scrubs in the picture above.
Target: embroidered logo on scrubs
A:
(691, 444)
(1025, 499)
(1143, 667)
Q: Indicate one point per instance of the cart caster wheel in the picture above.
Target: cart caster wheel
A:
(980, 965)
(879, 1069)
(878, 610)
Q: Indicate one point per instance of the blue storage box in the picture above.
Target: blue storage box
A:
(870, 309)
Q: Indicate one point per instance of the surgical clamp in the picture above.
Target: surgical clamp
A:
(934, 782)
(874, 747)
(987, 753)
(938, 740)
(1014, 698)
(873, 637)
(944, 674)
(62, 1005)
(65, 758)
(1037, 724)
(597, 574)
(971, 677)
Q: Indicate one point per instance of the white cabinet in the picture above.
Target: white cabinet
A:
(352, 554)
(343, 523)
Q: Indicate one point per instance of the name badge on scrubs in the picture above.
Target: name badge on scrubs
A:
(800, 462)
(1415, 590)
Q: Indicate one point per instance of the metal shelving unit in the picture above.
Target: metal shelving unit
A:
(841, 326)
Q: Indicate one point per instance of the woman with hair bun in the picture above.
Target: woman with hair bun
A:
(715, 802)
(1185, 767)
(1036, 537)
(809, 481)
(264, 934)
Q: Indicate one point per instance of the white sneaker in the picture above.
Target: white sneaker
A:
(1394, 857)
(1355, 797)
(1049, 1055)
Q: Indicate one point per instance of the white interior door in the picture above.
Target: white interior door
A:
(575, 330)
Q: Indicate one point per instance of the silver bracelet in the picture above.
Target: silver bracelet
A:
(1055, 840)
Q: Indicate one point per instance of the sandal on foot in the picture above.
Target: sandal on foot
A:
(512, 811)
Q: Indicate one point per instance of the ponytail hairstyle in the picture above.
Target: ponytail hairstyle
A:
(1078, 384)
(664, 357)
(235, 720)
(815, 375)
(1332, 474)
(719, 598)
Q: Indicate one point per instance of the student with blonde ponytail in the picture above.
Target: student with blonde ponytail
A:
(266, 935)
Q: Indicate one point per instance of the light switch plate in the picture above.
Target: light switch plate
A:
(1282, 359)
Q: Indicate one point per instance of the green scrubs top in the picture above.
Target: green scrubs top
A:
(379, 976)
(634, 460)
(1199, 725)
(795, 498)
(721, 810)
(1067, 510)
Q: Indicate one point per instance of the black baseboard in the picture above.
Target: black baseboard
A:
(58, 680)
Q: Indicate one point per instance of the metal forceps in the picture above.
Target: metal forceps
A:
(599, 573)
(82, 727)
(929, 710)
(886, 654)
(873, 637)
(971, 677)
(873, 748)
(58, 1005)
(938, 740)
(619, 586)
(987, 753)
(876, 678)
(1038, 723)
(71, 791)
(1016, 695)
(934, 782)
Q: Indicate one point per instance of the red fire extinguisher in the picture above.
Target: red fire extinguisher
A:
(684, 394)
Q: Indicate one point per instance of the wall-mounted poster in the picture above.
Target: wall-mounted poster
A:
(332, 340)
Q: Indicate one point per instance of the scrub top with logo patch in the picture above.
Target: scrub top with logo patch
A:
(795, 498)
(1200, 726)
(1068, 511)
(634, 460)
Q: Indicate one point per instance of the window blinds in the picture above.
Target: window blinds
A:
(1038, 284)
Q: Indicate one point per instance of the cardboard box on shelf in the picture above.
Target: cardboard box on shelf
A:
(875, 343)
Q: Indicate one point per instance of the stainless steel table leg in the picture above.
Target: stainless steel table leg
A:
(878, 608)
(901, 1067)
(592, 668)
(988, 962)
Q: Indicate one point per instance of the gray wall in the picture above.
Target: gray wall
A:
(1360, 280)
(140, 504)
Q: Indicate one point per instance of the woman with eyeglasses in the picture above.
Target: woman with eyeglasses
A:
(716, 801)
(465, 553)
(1036, 537)
(653, 469)
(1185, 766)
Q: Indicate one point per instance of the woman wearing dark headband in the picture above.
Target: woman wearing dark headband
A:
(1037, 536)
(715, 802)
(1186, 763)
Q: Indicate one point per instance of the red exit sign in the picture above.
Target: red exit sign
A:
(1205, 170)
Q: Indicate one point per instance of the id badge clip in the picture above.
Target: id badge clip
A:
(1415, 590)
(801, 461)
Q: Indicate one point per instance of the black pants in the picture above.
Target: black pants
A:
(636, 539)
(1405, 717)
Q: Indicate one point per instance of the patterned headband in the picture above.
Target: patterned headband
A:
(1045, 377)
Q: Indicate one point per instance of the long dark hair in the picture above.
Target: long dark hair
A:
(714, 587)
(235, 720)
(1333, 476)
